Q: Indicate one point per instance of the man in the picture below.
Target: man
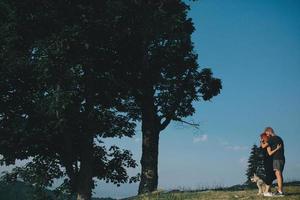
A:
(278, 158)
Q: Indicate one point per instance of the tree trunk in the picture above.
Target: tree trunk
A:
(149, 160)
(85, 178)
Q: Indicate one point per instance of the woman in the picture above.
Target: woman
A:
(268, 162)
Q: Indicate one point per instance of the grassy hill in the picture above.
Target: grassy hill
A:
(21, 191)
(292, 193)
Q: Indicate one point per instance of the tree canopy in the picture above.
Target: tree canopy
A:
(163, 75)
(58, 96)
(74, 72)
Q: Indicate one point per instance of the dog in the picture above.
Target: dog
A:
(260, 184)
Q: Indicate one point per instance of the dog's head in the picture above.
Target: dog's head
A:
(254, 178)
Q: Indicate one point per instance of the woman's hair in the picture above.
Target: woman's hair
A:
(264, 137)
(269, 129)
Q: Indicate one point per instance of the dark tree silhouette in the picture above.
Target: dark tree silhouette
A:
(58, 99)
(86, 70)
(255, 164)
(163, 75)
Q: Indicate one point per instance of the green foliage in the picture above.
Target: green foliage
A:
(58, 98)
(162, 73)
(162, 63)
(74, 72)
(255, 164)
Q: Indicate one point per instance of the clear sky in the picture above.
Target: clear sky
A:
(254, 47)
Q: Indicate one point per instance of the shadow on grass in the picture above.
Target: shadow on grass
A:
(292, 194)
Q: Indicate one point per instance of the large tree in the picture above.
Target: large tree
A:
(58, 94)
(149, 59)
(163, 75)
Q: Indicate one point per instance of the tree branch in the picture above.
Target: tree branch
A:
(168, 120)
(164, 124)
(189, 123)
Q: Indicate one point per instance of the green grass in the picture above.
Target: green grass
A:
(292, 193)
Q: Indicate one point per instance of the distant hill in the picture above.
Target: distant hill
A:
(22, 191)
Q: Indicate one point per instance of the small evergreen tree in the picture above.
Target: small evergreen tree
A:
(255, 164)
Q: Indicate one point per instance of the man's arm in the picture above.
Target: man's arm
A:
(271, 152)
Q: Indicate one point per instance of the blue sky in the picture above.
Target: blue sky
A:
(254, 47)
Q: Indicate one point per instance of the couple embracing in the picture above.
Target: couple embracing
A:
(274, 160)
